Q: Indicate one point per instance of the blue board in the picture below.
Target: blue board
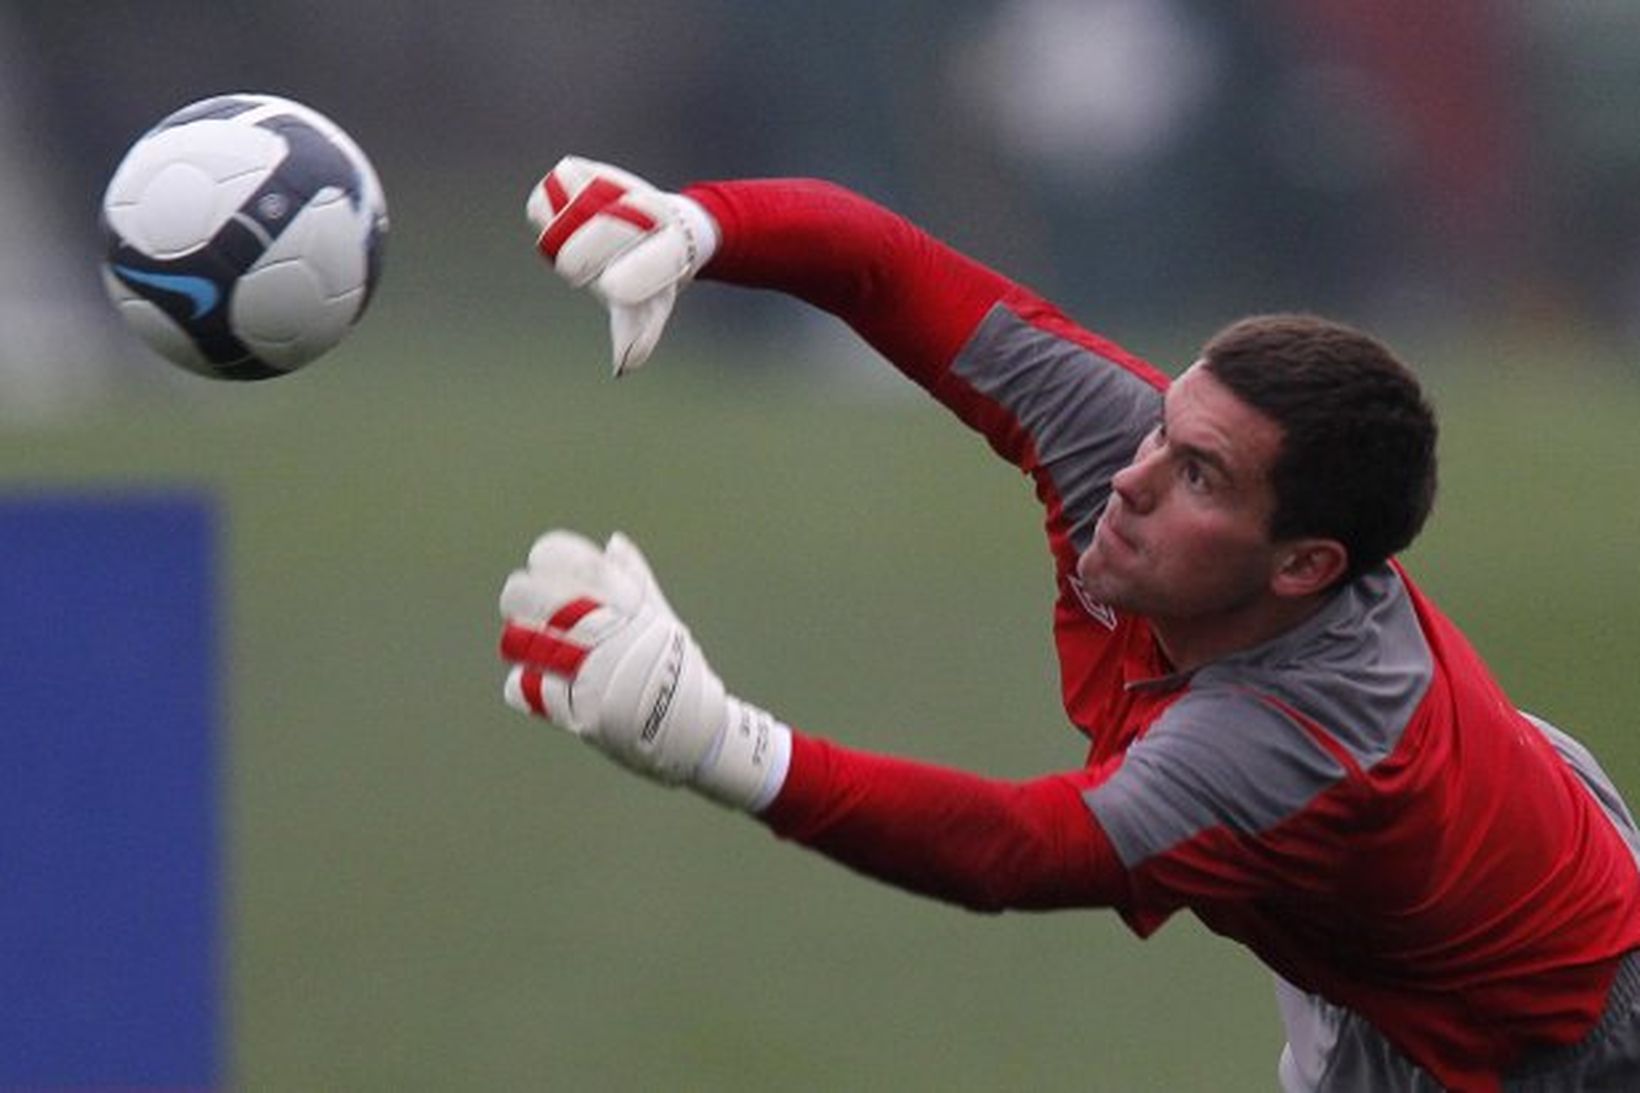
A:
(111, 952)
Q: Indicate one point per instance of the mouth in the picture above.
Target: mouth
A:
(1107, 535)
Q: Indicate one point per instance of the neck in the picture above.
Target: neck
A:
(1189, 643)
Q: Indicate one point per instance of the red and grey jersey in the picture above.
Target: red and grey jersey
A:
(1356, 801)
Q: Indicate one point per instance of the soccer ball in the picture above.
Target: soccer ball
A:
(243, 235)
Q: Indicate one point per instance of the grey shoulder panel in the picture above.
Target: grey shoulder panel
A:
(1215, 760)
(1085, 414)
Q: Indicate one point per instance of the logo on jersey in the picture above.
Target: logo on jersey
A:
(1103, 614)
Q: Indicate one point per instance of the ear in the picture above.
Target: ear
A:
(1305, 567)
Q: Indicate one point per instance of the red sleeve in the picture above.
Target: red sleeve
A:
(912, 297)
(985, 844)
(1058, 401)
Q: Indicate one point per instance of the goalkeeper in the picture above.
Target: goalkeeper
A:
(1283, 735)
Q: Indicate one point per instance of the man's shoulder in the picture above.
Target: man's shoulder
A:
(1355, 671)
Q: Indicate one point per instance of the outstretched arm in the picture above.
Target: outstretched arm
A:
(594, 647)
(1061, 403)
(984, 844)
(992, 350)
(913, 298)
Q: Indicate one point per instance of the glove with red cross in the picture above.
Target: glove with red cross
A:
(628, 243)
(596, 649)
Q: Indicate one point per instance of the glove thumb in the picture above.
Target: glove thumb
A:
(635, 329)
(624, 557)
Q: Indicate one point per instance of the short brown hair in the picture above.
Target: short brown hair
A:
(1357, 460)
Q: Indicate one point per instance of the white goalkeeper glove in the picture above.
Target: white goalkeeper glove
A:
(596, 649)
(630, 244)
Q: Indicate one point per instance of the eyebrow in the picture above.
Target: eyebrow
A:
(1201, 455)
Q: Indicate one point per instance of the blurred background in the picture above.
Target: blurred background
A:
(422, 890)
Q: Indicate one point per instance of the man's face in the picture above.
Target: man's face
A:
(1185, 536)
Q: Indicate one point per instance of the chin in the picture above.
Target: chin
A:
(1098, 587)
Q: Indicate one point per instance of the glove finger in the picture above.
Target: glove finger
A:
(523, 597)
(563, 566)
(552, 195)
(533, 604)
(634, 331)
(621, 552)
(535, 599)
(624, 557)
(581, 247)
(567, 558)
(568, 177)
(549, 196)
(542, 647)
(574, 172)
(589, 226)
(654, 261)
(563, 641)
(530, 690)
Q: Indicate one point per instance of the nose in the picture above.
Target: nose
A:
(1133, 483)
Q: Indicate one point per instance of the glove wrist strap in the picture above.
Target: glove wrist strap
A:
(700, 231)
(747, 764)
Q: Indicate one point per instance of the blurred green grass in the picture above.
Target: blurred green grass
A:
(431, 892)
